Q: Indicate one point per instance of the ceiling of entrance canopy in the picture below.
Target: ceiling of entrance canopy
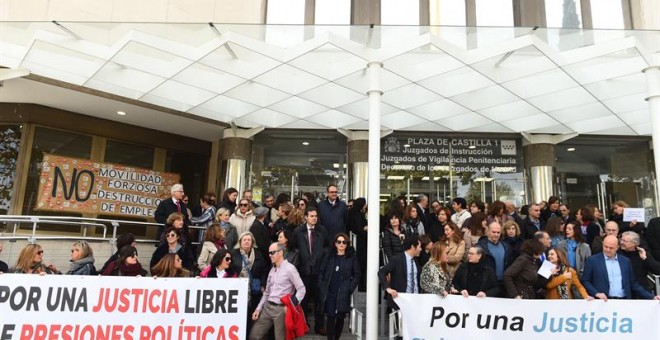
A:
(483, 79)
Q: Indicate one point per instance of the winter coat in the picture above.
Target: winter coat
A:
(392, 244)
(582, 252)
(488, 259)
(551, 292)
(242, 222)
(349, 270)
(476, 275)
(520, 277)
(333, 217)
(294, 319)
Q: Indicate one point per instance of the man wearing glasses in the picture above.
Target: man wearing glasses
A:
(283, 279)
(332, 212)
(174, 204)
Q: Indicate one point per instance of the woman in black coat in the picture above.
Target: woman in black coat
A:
(358, 224)
(474, 277)
(338, 279)
(173, 245)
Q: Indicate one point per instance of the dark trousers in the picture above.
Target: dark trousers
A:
(335, 325)
(311, 293)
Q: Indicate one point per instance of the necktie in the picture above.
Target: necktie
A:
(311, 240)
(178, 206)
(411, 277)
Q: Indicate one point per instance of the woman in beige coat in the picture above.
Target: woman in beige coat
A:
(455, 246)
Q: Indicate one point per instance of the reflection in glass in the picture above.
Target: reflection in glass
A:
(399, 12)
(332, 12)
(447, 12)
(288, 12)
(494, 12)
(10, 139)
(563, 13)
(129, 154)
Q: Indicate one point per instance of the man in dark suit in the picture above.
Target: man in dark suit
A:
(174, 204)
(313, 244)
(403, 270)
(608, 276)
(532, 223)
(424, 213)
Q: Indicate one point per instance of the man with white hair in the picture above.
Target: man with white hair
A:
(641, 260)
(174, 204)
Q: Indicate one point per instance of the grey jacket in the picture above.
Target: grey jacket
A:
(582, 252)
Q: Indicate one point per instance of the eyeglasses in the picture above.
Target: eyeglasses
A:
(243, 205)
(40, 252)
(301, 204)
(271, 253)
(171, 235)
(228, 258)
(341, 242)
(332, 192)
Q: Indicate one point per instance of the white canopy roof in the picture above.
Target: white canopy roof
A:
(474, 79)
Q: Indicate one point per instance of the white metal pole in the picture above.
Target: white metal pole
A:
(653, 86)
(373, 71)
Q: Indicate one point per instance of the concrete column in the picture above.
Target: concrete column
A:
(653, 86)
(236, 155)
(540, 164)
(539, 155)
(358, 165)
(373, 291)
(529, 13)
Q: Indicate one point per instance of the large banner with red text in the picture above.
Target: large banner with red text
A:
(132, 308)
(428, 316)
(84, 186)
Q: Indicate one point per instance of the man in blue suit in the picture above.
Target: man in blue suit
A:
(608, 276)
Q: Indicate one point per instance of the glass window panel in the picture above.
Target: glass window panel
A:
(193, 171)
(494, 12)
(607, 14)
(55, 142)
(447, 12)
(281, 163)
(290, 12)
(563, 13)
(129, 154)
(399, 12)
(332, 12)
(10, 140)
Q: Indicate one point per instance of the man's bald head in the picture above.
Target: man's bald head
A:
(611, 228)
(610, 245)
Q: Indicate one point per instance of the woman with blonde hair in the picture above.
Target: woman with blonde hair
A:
(82, 259)
(170, 265)
(229, 230)
(455, 246)
(435, 277)
(243, 218)
(30, 261)
(213, 241)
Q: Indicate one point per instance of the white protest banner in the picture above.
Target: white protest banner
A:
(427, 316)
(134, 308)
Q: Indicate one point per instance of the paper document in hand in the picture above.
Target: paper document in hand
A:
(546, 269)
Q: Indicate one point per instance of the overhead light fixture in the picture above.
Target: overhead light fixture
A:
(426, 178)
(472, 147)
(121, 113)
(335, 165)
(393, 177)
(570, 149)
(305, 143)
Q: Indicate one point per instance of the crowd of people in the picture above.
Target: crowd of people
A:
(297, 253)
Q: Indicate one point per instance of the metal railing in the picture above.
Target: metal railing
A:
(655, 281)
(80, 223)
(356, 321)
(396, 324)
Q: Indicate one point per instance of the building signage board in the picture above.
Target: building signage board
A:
(83, 186)
(441, 153)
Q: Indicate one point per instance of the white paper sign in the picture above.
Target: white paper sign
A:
(630, 214)
(546, 269)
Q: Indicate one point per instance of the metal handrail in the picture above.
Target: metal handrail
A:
(71, 221)
(356, 321)
(655, 281)
(396, 324)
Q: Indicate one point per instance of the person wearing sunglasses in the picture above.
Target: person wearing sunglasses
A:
(172, 245)
(243, 218)
(220, 266)
(338, 279)
(82, 259)
(126, 265)
(30, 261)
